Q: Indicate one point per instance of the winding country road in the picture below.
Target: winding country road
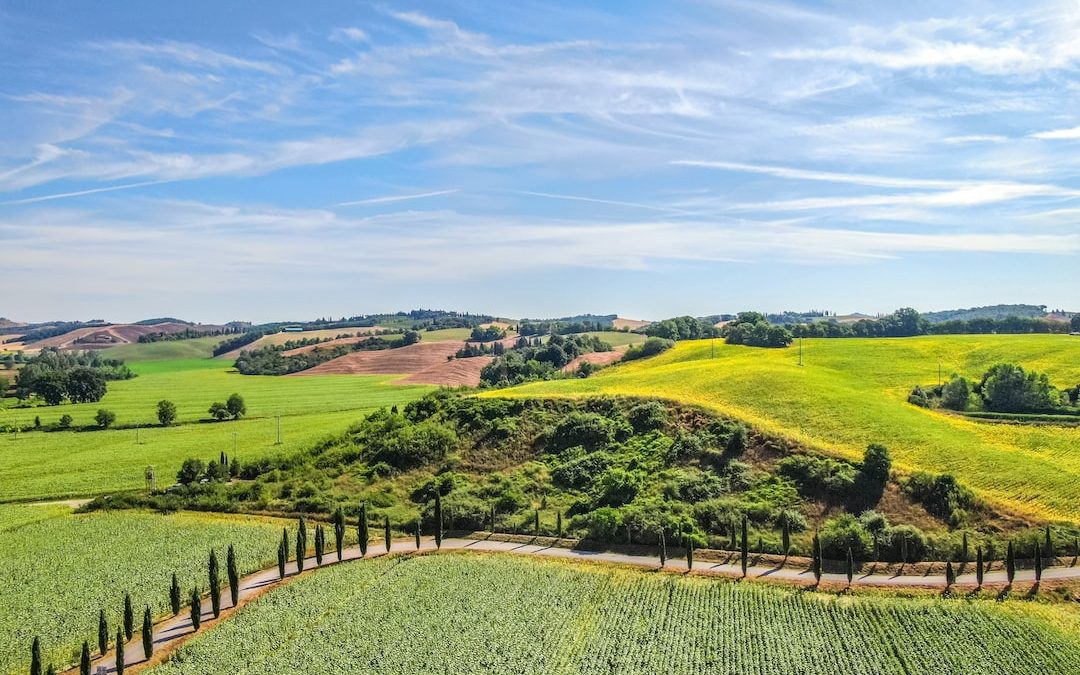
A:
(171, 632)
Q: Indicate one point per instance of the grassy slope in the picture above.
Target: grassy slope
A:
(852, 392)
(499, 614)
(55, 464)
(198, 348)
(59, 569)
(618, 338)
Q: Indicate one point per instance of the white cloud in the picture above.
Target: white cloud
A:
(1059, 134)
(396, 198)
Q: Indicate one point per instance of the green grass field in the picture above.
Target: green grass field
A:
(462, 613)
(617, 338)
(60, 569)
(39, 464)
(197, 348)
(852, 392)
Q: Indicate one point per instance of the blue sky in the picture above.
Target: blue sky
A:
(269, 160)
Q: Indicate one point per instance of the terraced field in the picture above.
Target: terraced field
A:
(467, 613)
(60, 569)
(852, 392)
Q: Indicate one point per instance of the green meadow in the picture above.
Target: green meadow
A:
(197, 348)
(852, 392)
(46, 464)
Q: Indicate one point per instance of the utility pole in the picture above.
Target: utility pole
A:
(234, 443)
(713, 348)
(136, 435)
(800, 350)
(278, 417)
(939, 373)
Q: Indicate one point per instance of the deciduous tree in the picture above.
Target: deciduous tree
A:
(166, 412)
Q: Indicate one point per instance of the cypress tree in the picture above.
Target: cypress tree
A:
(285, 542)
(320, 536)
(964, 549)
(950, 574)
(234, 576)
(733, 528)
(195, 611)
(84, 659)
(301, 545)
(1048, 546)
(785, 537)
(850, 566)
(339, 531)
(903, 549)
(558, 523)
(129, 617)
(536, 522)
(35, 657)
(689, 554)
(663, 549)
(102, 633)
(386, 532)
(362, 528)
(281, 560)
(174, 595)
(438, 520)
(215, 584)
(493, 519)
(744, 550)
(1038, 563)
(51, 670)
(119, 653)
(147, 634)
(1010, 563)
(417, 534)
(979, 566)
(817, 558)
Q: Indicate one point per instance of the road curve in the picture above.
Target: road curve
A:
(173, 631)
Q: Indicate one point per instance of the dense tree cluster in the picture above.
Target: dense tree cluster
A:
(565, 326)
(532, 360)
(189, 334)
(681, 328)
(271, 359)
(488, 334)
(907, 322)
(80, 377)
(751, 328)
(1004, 388)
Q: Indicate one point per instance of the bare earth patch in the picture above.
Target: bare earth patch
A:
(422, 363)
(595, 358)
(632, 324)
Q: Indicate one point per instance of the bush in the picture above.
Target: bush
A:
(105, 418)
(190, 471)
(823, 475)
(941, 495)
(1006, 387)
(648, 416)
(955, 393)
(844, 533)
(589, 430)
(650, 347)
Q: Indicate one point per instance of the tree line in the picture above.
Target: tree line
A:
(56, 376)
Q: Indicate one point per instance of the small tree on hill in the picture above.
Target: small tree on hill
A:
(174, 595)
(166, 412)
(339, 531)
(84, 659)
(301, 544)
(1010, 563)
(103, 634)
(744, 550)
(362, 528)
(35, 657)
(234, 575)
(195, 611)
(215, 584)
(816, 558)
(979, 566)
(438, 520)
(218, 411)
(147, 634)
(119, 653)
(1038, 562)
(235, 406)
(105, 418)
(129, 617)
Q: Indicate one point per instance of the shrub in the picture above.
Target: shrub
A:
(105, 418)
(842, 534)
(589, 430)
(955, 393)
(166, 412)
(819, 474)
(941, 495)
(1006, 387)
(650, 347)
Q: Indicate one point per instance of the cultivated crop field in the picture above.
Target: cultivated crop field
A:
(60, 569)
(852, 392)
(465, 613)
(171, 350)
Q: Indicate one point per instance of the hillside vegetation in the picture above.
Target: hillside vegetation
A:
(467, 614)
(854, 392)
